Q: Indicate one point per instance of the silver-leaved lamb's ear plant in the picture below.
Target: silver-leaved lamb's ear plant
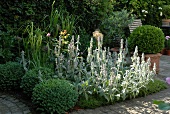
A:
(103, 73)
(70, 66)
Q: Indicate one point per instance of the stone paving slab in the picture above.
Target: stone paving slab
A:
(10, 105)
(164, 66)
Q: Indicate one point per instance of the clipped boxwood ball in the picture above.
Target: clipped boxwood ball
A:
(10, 75)
(149, 39)
(33, 77)
(54, 96)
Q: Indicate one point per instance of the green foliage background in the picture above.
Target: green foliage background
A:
(136, 6)
(17, 14)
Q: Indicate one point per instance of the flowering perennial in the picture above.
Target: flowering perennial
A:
(103, 73)
(168, 80)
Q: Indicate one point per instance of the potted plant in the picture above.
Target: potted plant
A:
(150, 40)
(167, 45)
(166, 15)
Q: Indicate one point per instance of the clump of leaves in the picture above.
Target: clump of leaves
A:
(152, 87)
(162, 105)
(93, 101)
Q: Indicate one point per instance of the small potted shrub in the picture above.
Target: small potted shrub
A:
(166, 15)
(150, 40)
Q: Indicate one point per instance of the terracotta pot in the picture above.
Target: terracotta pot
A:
(115, 49)
(163, 51)
(155, 58)
(168, 52)
(165, 22)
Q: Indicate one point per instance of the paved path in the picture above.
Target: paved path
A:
(139, 105)
(164, 66)
(10, 105)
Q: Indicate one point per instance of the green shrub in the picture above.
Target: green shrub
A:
(166, 11)
(33, 77)
(54, 96)
(7, 47)
(10, 75)
(149, 39)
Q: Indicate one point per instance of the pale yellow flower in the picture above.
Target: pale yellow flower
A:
(97, 34)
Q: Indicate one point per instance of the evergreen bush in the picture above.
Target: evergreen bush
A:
(149, 39)
(10, 75)
(33, 77)
(54, 96)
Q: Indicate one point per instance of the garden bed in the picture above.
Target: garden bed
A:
(92, 103)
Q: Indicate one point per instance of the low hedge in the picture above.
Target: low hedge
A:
(33, 77)
(10, 75)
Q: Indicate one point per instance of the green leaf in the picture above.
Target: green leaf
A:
(157, 102)
(164, 106)
(86, 96)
